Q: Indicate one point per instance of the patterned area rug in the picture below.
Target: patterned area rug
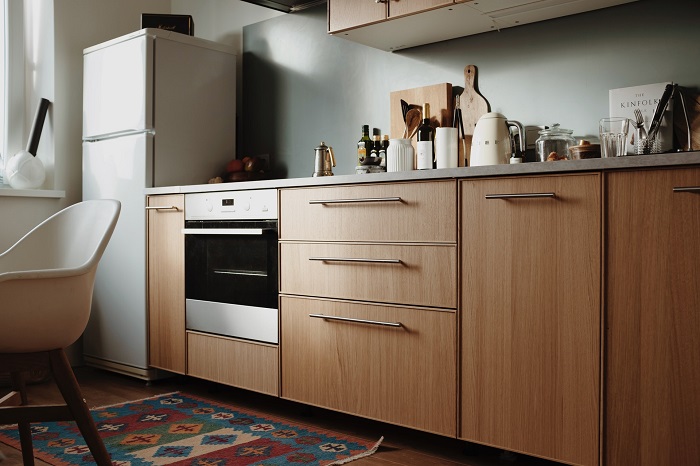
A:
(178, 429)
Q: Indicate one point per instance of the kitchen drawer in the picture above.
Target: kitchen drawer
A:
(249, 365)
(395, 212)
(415, 274)
(403, 374)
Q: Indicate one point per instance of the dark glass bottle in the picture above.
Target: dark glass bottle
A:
(364, 145)
(424, 146)
(382, 151)
(376, 142)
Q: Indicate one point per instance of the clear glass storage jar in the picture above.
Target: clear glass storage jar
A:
(554, 143)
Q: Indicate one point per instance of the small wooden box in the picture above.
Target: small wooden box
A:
(177, 23)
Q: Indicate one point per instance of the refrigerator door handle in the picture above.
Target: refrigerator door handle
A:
(118, 134)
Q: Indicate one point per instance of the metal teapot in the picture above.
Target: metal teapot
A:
(325, 160)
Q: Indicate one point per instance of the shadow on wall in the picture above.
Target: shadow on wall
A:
(257, 135)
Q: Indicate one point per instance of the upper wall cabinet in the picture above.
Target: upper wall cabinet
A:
(398, 24)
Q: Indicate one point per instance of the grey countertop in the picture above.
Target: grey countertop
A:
(563, 166)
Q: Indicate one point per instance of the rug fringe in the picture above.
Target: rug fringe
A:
(136, 401)
(364, 454)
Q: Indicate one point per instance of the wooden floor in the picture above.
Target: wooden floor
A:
(400, 446)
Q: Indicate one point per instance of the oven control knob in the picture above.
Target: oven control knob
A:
(246, 205)
(208, 205)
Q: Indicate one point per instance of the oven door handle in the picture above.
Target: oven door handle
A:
(226, 231)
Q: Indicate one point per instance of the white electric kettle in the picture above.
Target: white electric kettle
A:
(492, 143)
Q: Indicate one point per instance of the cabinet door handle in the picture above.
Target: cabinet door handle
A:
(354, 201)
(358, 321)
(689, 189)
(521, 196)
(353, 259)
(162, 207)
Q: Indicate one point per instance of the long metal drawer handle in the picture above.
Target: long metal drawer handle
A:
(689, 189)
(359, 321)
(351, 201)
(225, 231)
(353, 259)
(164, 207)
(520, 196)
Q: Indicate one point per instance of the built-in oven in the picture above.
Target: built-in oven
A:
(231, 271)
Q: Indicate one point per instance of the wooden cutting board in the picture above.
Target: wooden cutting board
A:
(439, 96)
(473, 106)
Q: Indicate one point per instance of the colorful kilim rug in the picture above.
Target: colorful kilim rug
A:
(178, 429)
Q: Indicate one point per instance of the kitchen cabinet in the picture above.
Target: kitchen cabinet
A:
(166, 282)
(397, 24)
(531, 315)
(387, 273)
(652, 347)
(343, 14)
(239, 363)
(368, 286)
(392, 363)
(383, 212)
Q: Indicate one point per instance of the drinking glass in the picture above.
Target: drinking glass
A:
(613, 136)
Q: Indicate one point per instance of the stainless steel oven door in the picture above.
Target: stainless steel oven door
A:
(231, 284)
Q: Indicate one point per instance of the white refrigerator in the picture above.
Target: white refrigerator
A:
(159, 109)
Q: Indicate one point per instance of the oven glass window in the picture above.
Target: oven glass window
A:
(234, 269)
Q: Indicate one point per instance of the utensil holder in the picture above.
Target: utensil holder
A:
(645, 146)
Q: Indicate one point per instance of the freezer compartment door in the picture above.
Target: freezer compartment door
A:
(120, 169)
(118, 88)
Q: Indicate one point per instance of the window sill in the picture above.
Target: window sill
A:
(6, 190)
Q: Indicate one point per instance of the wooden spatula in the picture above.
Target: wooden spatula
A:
(473, 106)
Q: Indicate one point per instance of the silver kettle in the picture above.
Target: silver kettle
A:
(325, 160)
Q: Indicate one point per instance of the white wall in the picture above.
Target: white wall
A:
(222, 21)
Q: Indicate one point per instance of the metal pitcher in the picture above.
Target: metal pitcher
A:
(325, 160)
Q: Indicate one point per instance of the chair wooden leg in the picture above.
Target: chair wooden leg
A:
(65, 380)
(25, 432)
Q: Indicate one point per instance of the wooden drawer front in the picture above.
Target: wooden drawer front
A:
(404, 375)
(253, 366)
(407, 212)
(424, 275)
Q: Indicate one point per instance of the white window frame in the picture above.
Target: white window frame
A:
(14, 96)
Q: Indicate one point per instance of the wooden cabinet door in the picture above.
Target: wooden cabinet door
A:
(407, 7)
(531, 310)
(166, 283)
(344, 14)
(403, 374)
(652, 405)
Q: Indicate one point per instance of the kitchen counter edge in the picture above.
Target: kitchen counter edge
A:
(533, 168)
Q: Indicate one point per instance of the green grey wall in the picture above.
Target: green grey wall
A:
(302, 86)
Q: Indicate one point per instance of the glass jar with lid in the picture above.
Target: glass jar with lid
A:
(554, 143)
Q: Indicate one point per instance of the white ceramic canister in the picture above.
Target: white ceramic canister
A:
(399, 155)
